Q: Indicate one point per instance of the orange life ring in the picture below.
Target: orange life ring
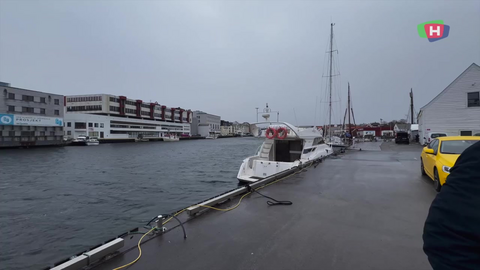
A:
(284, 134)
(273, 132)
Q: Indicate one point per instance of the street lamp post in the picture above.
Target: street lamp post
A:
(257, 113)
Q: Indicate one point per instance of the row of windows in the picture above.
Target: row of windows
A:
(29, 133)
(137, 127)
(214, 126)
(81, 99)
(84, 108)
(118, 126)
(32, 98)
(24, 128)
(31, 110)
(112, 99)
(30, 139)
(82, 125)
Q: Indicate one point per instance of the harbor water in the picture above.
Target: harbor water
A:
(56, 202)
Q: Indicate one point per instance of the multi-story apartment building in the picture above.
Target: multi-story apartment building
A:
(30, 118)
(110, 117)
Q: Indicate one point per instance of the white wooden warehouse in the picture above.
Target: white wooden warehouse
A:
(456, 110)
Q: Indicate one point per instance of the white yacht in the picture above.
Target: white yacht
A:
(92, 142)
(85, 141)
(285, 147)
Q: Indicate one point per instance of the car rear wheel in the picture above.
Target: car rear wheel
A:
(422, 169)
(436, 181)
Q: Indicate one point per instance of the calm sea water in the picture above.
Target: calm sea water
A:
(56, 202)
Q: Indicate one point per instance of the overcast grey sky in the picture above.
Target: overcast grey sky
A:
(228, 57)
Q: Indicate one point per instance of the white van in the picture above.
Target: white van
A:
(433, 135)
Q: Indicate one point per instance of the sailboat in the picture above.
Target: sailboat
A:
(333, 141)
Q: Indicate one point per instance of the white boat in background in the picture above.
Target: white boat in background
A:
(285, 147)
(212, 136)
(85, 141)
(171, 138)
(92, 142)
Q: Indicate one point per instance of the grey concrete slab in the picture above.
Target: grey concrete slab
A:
(364, 210)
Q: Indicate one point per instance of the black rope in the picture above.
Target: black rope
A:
(275, 202)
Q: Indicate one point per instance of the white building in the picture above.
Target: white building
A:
(205, 124)
(111, 117)
(234, 129)
(456, 110)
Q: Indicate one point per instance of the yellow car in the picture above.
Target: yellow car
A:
(441, 154)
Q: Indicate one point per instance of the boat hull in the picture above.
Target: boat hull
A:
(171, 139)
(92, 143)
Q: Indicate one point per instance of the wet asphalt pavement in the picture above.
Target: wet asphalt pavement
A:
(361, 210)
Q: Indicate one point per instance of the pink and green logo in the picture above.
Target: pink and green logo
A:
(433, 30)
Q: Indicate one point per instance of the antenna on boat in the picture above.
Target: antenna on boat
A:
(296, 120)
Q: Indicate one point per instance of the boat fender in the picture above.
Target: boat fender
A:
(271, 133)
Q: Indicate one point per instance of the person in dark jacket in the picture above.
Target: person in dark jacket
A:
(451, 236)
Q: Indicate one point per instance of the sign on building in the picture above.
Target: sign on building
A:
(30, 120)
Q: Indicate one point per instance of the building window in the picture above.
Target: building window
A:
(27, 98)
(42, 111)
(27, 109)
(52, 133)
(114, 109)
(69, 124)
(11, 133)
(465, 133)
(101, 125)
(42, 133)
(90, 124)
(42, 100)
(473, 99)
(11, 95)
(84, 108)
(57, 112)
(69, 132)
(80, 125)
(95, 125)
(11, 108)
(56, 101)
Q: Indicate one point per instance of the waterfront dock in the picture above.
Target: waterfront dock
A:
(361, 210)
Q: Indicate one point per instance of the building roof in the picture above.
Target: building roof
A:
(472, 66)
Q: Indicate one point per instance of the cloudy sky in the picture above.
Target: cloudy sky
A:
(229, 57)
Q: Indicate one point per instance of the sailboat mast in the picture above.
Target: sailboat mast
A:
(330, 83)
(349, 123)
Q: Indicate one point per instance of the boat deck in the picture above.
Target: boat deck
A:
(362, 210)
